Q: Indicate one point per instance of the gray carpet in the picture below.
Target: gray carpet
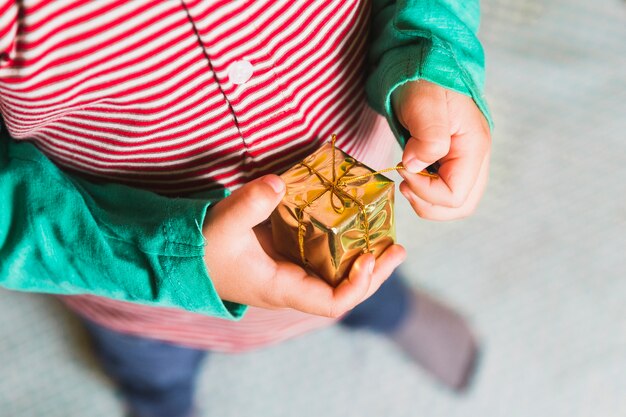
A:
(540, 269)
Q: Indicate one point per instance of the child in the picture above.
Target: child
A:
(129, 121)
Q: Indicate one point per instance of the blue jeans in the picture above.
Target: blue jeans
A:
(158, 379)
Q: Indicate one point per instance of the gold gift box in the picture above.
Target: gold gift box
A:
(335, 209)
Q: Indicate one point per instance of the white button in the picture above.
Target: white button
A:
(240, 71)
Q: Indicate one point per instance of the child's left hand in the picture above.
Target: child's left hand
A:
(448, 127)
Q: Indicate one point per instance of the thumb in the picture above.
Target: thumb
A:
(423, 110)
(253, 203)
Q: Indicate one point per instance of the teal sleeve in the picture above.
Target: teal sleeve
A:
(64, 235)
(434, 40)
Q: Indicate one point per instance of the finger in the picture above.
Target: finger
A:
(386, 263)
(252, 203)
(353, 289)
(294, 288)
(457, 173)
(423, 111)
(429, 211)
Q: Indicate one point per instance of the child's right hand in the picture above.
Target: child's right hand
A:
(245, 268)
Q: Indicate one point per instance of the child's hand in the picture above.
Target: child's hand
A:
(245, 268)
(448, 127)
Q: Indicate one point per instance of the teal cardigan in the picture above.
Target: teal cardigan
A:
(61, 234)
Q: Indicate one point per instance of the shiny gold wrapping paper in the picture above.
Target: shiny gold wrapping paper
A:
(326, 221)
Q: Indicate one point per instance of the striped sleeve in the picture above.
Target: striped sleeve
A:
(63, 235)
(434, 40)
(8, 30)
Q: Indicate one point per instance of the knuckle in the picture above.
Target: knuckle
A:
(335, 314)
(273, 294)
(486, 133)
(456, 200)
(459, 191)
(256, 199)
(256, 193)
(424, 214)
(419, 210)
(484, 129)
(456, 216)
(431, 149)
(267, 298)
(467, 212)
(334, 311)
(427, 215)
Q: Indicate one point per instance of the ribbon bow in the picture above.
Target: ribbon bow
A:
(336, 186)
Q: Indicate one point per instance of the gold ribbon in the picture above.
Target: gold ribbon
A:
(334, 186)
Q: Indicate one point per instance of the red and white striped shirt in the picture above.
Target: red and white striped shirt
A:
(184, 96)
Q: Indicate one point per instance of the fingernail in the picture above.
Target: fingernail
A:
(370, 266)
(414, 165)
(277, 184)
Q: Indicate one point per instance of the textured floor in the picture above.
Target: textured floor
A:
(540, 268)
